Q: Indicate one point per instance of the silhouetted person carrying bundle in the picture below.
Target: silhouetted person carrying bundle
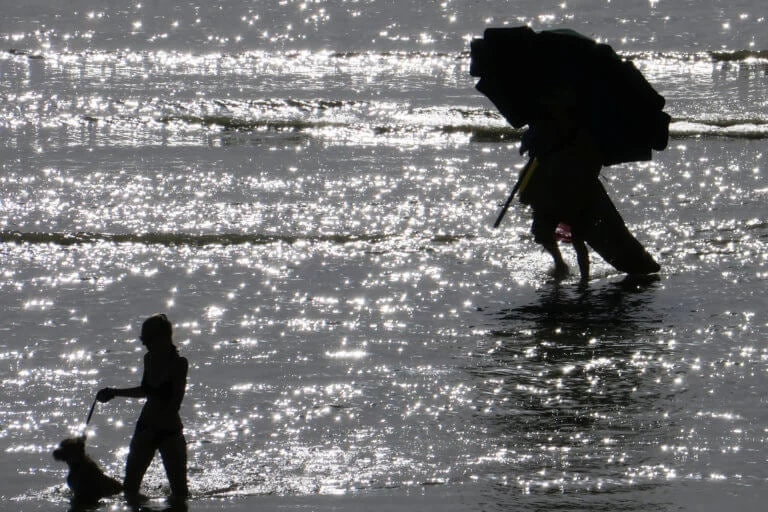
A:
(159, 426)
(585, 107)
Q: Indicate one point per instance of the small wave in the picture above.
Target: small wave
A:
(679, 129)
(725, 128)
(216, 239)
(174, 239)
(740, 56)
(736, 56)
(495, 132)
(242, 124)
(278, 114)
(419, 240)
(479, 125)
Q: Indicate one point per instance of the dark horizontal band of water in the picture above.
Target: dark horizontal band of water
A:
(199, 240)
(679, 129)
(716, 56)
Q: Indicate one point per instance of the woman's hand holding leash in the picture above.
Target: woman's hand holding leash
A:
(105, 395)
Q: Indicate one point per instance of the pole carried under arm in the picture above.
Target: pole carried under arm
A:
(522, 182)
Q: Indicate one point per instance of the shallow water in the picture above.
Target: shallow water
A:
(313, 209)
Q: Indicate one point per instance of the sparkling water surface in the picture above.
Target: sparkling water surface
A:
(307, 189)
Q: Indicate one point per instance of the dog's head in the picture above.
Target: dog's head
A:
(70, 450)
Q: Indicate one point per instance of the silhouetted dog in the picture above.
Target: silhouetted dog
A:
(86, 479)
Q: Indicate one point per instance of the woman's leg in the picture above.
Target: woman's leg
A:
(173, 450)
(140, 455)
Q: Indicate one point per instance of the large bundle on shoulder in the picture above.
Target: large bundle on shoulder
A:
(528, 74)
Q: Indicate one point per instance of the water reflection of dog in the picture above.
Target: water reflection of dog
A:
(85, 478)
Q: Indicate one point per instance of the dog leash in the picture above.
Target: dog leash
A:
(90, 413)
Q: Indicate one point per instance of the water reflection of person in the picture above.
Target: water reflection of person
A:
(159, 427)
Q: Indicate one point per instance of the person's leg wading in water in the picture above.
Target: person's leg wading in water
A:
(173, 453)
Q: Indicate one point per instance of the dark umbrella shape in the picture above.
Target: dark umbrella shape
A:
(524, 72)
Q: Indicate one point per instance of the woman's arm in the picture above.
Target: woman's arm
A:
(107, 394)
(135, 392)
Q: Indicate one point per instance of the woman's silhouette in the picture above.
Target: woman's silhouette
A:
(159, 427)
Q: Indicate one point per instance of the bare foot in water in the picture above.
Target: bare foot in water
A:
(560, 271)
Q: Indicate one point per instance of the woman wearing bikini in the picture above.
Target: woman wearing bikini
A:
(159, 427)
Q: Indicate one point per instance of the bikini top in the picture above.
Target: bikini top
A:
(162, 391)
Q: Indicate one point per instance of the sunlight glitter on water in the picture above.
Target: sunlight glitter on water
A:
(317, 224)
(330, 424)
